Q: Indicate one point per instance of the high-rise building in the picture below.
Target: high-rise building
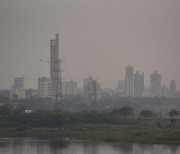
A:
(91, 89)
(173, 88)
(155, 84)
(44, 87)
(54, 64)
(129, 81)
(138, 84)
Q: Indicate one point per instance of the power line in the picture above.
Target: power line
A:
(17, 61)
(16, 70)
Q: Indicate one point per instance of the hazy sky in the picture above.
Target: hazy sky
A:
(97, 37)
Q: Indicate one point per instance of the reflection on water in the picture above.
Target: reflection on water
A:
(34, 146)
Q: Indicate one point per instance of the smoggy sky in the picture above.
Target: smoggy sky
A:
(97, 37)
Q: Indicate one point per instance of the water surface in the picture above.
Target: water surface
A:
(35, 146)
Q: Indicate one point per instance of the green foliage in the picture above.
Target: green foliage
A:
(173, 121)
(61, 119)
(146, 114)
(5, 111)
(123, 112)
(22, 128)
(174, 113)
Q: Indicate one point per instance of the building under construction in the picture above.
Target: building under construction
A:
(54, 65)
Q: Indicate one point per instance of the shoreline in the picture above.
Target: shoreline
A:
(98, 133)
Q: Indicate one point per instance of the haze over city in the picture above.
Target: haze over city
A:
(97, 37)
(90, 76)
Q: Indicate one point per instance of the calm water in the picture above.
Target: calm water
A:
(33, 146)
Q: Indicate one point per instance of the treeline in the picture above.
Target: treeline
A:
(10, 117)
(77, 103)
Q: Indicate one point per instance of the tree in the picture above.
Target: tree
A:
(5, 111)
(174, 113)
(146, 114)
(173, 121)
(123, 112)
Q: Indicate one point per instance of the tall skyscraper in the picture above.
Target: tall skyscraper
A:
(129, 81)
(173, 88)
(138, 84)
(155, 84)
(54, 64)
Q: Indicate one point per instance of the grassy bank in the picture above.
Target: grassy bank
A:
(100, 132)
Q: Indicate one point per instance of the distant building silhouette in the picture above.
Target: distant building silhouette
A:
(122, 87)
(106, 93)
(165, 91)
(54, 64)
(155, 84)
(5, 93)
(91, 89)
(31, 93)
(173, 88)
(44, 87)
(19, 83)
(69, 88)
(138, 84)
(18, 88)
(129, 81)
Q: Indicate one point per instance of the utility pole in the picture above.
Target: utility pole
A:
(59, 80)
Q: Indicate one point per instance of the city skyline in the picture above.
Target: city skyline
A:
(143, 33)
(133, 78)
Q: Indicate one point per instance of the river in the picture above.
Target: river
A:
(36, 146)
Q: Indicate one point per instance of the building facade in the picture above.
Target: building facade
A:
(129, 81)
(31, 93)
(54, 64)
(173, 88)
(44, 87)
(138, 84)
(122, 87)
(69, 88)
(91, 90)
(155, 84)
(17, 89)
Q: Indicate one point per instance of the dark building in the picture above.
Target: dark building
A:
(155, 84)
(129, 81)
(173, 88)
(138, 84)
(5, 93)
